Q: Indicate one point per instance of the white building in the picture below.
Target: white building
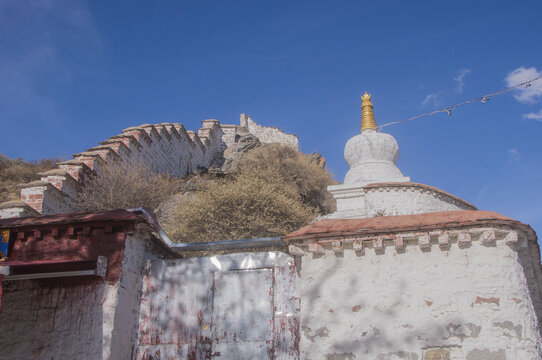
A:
(407, 271)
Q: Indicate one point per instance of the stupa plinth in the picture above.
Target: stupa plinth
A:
(374, 185)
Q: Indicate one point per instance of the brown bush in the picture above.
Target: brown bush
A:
(270, 191)
(123, 187)
(242, 206)
(283, 164)
(17, 171)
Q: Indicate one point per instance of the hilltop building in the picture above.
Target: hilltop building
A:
(400, 271)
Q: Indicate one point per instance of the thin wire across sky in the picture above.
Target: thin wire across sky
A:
(448, 109)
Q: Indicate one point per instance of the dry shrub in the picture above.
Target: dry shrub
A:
(17, 171)
(123, 187)
(283, 164)
(270, 191)
(239, 207)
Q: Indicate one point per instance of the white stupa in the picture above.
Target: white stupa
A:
(371, 155)
(374, 185)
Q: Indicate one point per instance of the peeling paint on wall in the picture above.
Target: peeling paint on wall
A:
(236, 306)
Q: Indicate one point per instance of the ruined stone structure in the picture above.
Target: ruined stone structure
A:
(167, 148)
(268, 135)
(400, 271)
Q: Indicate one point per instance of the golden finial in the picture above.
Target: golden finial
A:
(367, 115)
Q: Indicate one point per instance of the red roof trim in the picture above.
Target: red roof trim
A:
(390, 224)
(120, 215)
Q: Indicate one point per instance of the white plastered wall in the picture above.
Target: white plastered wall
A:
(473, 303)
(365, 202)
(41, 321)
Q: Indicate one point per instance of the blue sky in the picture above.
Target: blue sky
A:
(73, 73)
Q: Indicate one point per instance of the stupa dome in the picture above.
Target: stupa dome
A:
(371, 155)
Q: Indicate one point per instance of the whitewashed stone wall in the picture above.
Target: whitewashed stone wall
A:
(229, 133)
(75, 318)
(124, 307)
(213, 137)
(45, 198)
(42, 321)
(269, 135)
(410, 200)
(165, 148)
(16, 209)
(168, 149)
(389, 199)
(476, 301)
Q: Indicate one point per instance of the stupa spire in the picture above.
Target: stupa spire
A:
(367, 115)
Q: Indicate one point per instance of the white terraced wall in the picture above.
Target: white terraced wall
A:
(167, 148)
(268, 135)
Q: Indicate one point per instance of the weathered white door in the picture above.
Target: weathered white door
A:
(243, 314)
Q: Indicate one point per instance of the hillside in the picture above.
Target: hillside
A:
(17, 171)
(270, 190)
(261, 190)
